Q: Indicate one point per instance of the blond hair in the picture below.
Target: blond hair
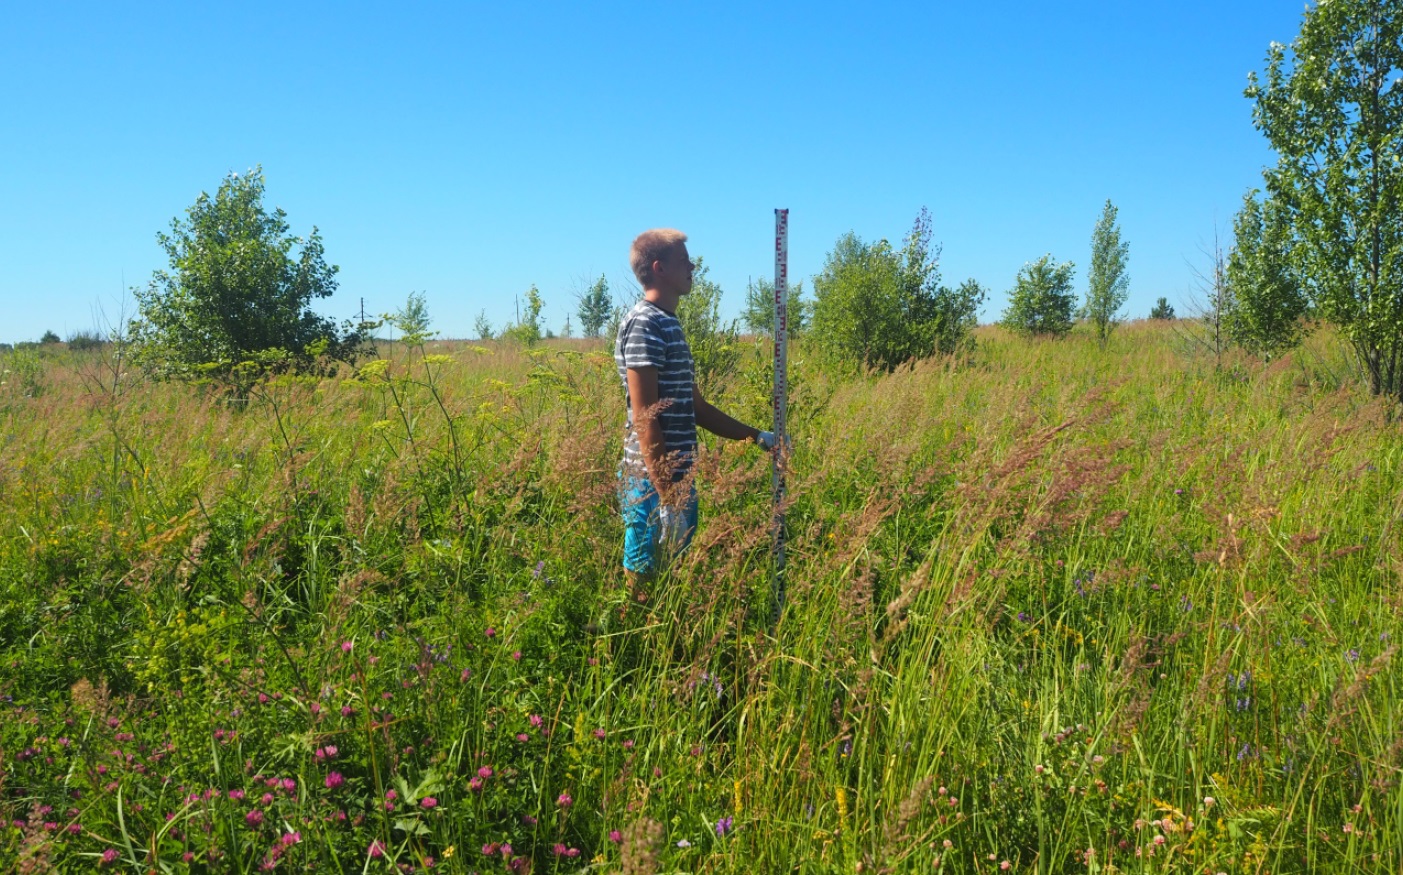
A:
(651, 246)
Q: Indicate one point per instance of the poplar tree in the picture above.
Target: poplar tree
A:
(596, 306)
(1268, 309)
(1331, 107)
(1108, 284)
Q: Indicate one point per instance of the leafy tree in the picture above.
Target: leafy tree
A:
(1162, 309)
(758, 314)
(482, 326)
(611, 328)
(715, 352)
(1042, 300)
(878, 307)
(412, 320)
(1108, 284)
(1332, 108)
(528, 330)
(1268, 306)
(959, 314)
(49, 337)
(596, 306)
(236, 302)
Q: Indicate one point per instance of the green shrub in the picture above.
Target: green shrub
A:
(236, 303)
(81, 341)
(1042, 301)
(878, 307)
(713, 340)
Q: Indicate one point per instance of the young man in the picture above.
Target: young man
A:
(664, 409)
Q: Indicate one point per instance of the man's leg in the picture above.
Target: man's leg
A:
(639, 503)
(645, 545)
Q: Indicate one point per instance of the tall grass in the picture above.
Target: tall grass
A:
(1054, 608)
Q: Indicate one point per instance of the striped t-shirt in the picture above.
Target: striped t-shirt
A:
(649, 336)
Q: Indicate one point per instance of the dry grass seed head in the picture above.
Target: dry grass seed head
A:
(897, 842)
(91, 698)
(581, 465)
(642, 842)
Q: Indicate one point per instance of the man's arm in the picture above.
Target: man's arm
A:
(643, 400)
(718, 423)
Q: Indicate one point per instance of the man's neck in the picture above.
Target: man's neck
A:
(665, 300)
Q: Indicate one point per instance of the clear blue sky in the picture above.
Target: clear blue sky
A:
(471, 150)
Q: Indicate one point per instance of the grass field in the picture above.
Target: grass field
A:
(1052, 609)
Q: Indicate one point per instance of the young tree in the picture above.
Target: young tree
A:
(1208, 304)
(236, 302)
(878, 307)
(1162, 309)
(715, 353)
(482, 326)
(412, 320)
(1042, 301)
(528, 330)
(758, 314)
(958, 310)
(1268, 307)
(1108, 284)
(1332, 108)
(596, 307)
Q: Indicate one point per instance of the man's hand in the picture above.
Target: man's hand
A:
(768, 440)
(672, 521)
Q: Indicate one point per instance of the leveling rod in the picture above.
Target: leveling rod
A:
(781, 394)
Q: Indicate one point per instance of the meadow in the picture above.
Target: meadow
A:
(1050, 608)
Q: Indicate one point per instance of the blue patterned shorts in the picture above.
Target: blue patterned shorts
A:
(643, 527)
